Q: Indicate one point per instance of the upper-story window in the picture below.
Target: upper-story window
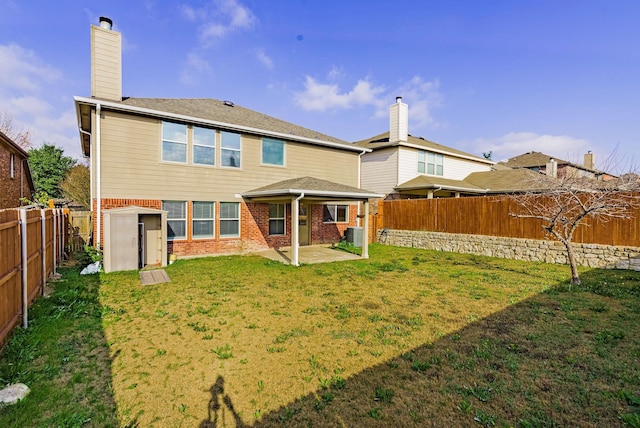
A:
(174, 142)
(12, 165)
(272, 152)
(430, 163)
(230, 149)
(204, 146)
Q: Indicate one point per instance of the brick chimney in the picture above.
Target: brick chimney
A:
(106, 61)
(398, 121)
(590, 160)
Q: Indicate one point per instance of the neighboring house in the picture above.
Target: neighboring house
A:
(401, 165)
(555, 167)
(16, 182)
(207, 176)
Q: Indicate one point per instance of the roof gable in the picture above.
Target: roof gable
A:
(381, 141)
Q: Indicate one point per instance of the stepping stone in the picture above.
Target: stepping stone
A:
(13, 393)
(150, 277)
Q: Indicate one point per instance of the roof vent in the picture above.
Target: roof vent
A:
(228, 103)
(106, 23)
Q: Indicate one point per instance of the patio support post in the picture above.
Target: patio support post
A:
(365, 230)
(295, 214)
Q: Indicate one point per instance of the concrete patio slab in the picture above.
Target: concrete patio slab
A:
(309, 254)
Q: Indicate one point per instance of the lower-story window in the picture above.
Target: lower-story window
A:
(334, 213)
(203, 220)
(229, 219)
(277, 219)
(176, 219)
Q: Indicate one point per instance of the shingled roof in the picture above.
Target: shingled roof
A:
(209, 111)
(227, 112)
(533, 159)
(310, 186)
(382, 141)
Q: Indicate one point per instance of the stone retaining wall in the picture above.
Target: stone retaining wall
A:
(592, 255)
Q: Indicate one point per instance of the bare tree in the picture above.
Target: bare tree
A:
(19, 136)
(564, 203)
(77, 185)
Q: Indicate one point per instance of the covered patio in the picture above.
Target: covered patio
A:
(302, 190)
(309, 254)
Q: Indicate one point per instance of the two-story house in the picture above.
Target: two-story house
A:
(16, 183)
(209, 176)
(560, 168)
(401, 165)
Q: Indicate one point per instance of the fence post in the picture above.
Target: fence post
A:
(43, 251)
(23, 252)
(54, 251)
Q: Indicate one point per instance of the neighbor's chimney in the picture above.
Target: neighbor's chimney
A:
(106, 61)
(398, 121)
(590, 160)
(552, 168)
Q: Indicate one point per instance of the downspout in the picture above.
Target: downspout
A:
(295, 227)
(98, 180)
(359, 184)
(91, 178)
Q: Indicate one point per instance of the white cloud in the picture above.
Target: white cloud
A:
(264, 59)
(422, 97)
(220, 18)
(22, 70)
(516, 143)
(189, 12)
(28, 94)
(325, 96)
(195, 65)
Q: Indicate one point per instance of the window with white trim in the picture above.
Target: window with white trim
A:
(430, 163)
(277, 215)
(174, 142)
(176, 219)
(272, 152)
(334, 213)
(204, 146)
(230, 149)
(202, 223)
(12, 165)
(229, 219)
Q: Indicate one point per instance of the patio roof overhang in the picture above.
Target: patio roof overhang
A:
(313, 189)
(425, 184)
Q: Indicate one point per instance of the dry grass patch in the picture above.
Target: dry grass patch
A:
(244, 340)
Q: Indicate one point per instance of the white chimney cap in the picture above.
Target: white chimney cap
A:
(106, 23)
(398, 99)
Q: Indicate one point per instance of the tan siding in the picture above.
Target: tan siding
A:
(132, 166)
(106, 64)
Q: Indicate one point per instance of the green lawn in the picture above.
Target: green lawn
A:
(406, 338)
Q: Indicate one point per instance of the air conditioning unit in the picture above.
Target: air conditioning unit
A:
(353, 235)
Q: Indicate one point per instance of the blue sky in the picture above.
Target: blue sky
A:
(556, 76)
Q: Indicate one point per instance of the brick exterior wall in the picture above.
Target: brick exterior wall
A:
(254, 228)
(12, 189)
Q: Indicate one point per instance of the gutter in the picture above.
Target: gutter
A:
(98, 179)
(224, 125)
(321, 193)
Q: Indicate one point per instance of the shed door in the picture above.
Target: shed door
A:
(124, 242)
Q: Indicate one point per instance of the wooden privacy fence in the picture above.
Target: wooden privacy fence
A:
(80, 227)
(492, 216)
(32, 243)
